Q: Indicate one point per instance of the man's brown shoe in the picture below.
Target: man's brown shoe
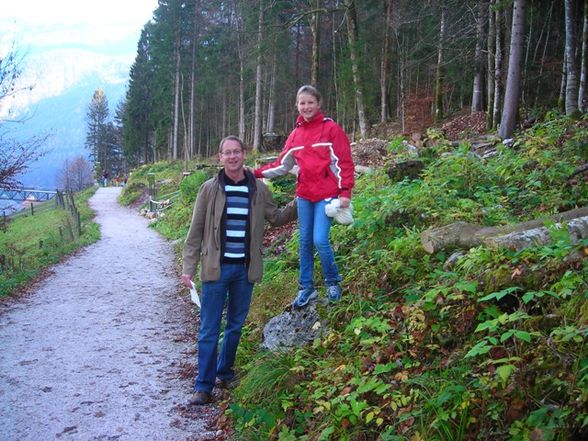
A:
(199, 398)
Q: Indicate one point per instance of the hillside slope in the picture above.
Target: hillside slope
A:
(484, 343)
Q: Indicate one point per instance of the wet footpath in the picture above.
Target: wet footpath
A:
(103, 347)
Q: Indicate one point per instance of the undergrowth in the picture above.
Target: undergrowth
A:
(479, 344)
(491, 346)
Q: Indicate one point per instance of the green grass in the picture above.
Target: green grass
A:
(30, 243)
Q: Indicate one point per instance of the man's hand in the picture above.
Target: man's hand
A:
(344, 202)
(187, 280)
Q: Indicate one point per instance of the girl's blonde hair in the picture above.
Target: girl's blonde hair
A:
(309, 90)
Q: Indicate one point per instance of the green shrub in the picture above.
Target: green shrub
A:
(131, 193)
(190, 185)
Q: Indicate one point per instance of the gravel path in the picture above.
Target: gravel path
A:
(103, 348)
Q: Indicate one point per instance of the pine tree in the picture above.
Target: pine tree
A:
(99, 136)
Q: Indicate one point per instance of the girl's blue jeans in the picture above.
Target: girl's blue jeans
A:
(314, 226)
(234, 288)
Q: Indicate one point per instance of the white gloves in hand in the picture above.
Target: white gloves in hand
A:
(344, 216)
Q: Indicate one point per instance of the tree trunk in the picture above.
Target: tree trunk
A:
(402, 86)
(438, 95)
(352, 35)
(491, 62)
(465, 235)
(241, 54)
(271, 105)
(384, 64)
(516, 241)
(334, 55)
(192, 117)
(513, 81)
(478, 92)
(192, 110)
(315, 30)
(584, 62)
(184, 122)
(571, 65)
(258, 78)
(297, 58)
(561, 102)
(498, 62)
(175, 131)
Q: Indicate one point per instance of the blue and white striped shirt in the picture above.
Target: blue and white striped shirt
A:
(237, 213)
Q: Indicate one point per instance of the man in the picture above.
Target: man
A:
(225, 237)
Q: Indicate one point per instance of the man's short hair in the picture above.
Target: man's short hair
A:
(231, 138)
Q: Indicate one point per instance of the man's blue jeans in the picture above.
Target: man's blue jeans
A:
(314, 227)
(234, 287)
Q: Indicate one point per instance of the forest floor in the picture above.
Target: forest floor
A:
(103, 348)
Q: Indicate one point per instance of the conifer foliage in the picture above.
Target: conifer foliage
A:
(102, 137)
(204, 70)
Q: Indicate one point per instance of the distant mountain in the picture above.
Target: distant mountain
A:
(64, 81)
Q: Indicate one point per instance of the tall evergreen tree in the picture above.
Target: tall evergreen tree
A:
(97, 136)
(102, 137)
(137, 127)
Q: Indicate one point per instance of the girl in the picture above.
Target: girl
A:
(321, 150)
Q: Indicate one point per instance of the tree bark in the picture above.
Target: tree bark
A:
(478, 92)
(491, 62)
(513, 81)
(352, 35)
(315, 30)
(584, 62)
(384, 64)
(241, 55)
(498, 80)
(571, 105)
(466, 235)
(438, 95)
(175, 131)
(516, 241)
(192, 117)
(271, 104)
(258, 78)
(402, 86)
(561, 102)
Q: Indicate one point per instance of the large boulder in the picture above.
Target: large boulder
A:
(293, 327)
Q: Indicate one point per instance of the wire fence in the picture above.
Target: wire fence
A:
(15, 258)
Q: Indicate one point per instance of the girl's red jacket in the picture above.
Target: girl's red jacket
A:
(322, 152)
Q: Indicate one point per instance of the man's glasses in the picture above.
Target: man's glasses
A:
(232, 152)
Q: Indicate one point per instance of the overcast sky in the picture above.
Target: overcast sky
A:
(38, 25)
(60, 41)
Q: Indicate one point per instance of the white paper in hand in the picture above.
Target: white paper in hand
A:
(194, 295)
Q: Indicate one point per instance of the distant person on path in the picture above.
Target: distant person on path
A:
(321, 149)
(105, 177)
(225, 237)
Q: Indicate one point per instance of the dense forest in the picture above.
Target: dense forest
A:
(207, 69)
